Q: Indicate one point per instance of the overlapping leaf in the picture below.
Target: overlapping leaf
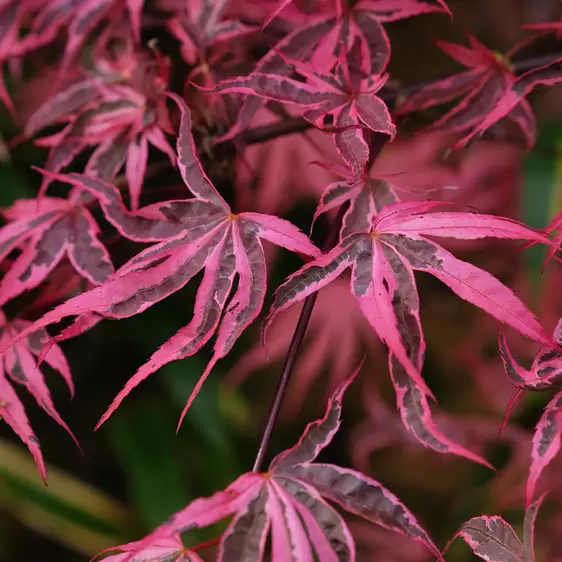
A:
(545, 374)
(289, 502)
(320, 38)
(46, 230)
(119, 120)
(488, 78)
(513, 98)
(492, 538)
(382, 262)
(190, 235)
(80, 17)
(201, 25)
(348, 97)
(18, 365)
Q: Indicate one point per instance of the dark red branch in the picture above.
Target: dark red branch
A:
(271, 131)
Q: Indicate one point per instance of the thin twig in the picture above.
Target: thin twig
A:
(376, 146)
(257, 135)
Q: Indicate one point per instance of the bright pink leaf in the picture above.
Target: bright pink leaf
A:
(382, 263)
(18, 365)
(191, 235)
(289, 501)
(489, 77)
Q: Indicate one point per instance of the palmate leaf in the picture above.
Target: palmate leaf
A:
(45, 230)
(545, 374)
(190, 235)
(493, 539)
(514, 97)
(382, 263)
(203, 25)
(119, 120)
(488, 78)
(348, 96)
(80, 17)
(289, 501)
(19, 365)
(320, 38)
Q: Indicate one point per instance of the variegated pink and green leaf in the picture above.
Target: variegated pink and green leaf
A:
(288, 503)
(347, 97)
(493, 539)
(45, 230)
(382, 263)
(191, 235)
(19, 365)
(489, 76)
(545, 374)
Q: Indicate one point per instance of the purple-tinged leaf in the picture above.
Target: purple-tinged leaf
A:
(245, 537)
(189, 165)
(492, 539)
(362, 496)
(529, 529)
(46, 235)
(65, 103)
(546, 442)
(547, 75)
(136, 168)
(18, 365)
(289, 501)
(417, 419)
(165, 549)
(382, 281)
(318, 434)
(13, 413)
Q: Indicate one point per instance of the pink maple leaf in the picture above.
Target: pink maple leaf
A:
(489, 76)
(514, 97)
(493, 539)
(347, 97)
(79, 17)
(202, 25)
(382, 263)
(119, 119)
(46, 230)
(320, 37)
(18, 365)
(545, 374)
(161, 550)
(190, 235)
(289, 501)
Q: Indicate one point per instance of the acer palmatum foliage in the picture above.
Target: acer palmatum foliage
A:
(19, 365)
(93, 81)
(189, 235)
(490, 75)
(382, 260)
(545, 374)
(493, 539)
(289, 503)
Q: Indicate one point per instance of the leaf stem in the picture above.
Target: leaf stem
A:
(377, 145)
(264, 133)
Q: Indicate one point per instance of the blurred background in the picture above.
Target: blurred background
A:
(135, 471)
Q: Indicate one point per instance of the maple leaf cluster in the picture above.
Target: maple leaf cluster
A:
(113, 97)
